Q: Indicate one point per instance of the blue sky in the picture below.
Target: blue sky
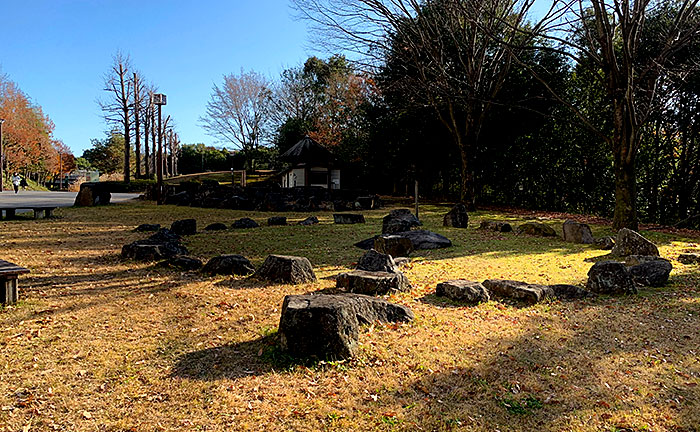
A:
(58, 51)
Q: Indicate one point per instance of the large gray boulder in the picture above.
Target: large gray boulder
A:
(372, 283)
(327, 326)
(610, 277)
(184, 227)
(576, 232)
(399, 220)
(394, 245)
(537, 229)
(457, 217)
(286, 269)
(348, 218)
(630, 242)
(229, 264)
(423, 239)
(374, 261)
(461, 290)
(653, 273)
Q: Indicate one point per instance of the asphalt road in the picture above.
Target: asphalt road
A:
(49, 199)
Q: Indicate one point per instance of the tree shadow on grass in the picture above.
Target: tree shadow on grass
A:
(443, 302)
(250, 358)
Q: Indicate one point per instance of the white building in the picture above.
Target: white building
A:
(311, 165)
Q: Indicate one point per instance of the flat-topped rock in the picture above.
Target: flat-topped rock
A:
(394, 245)
(630, 242)
(147, 228)
(424, 239)
(311, 220)
(463, 291)
(93, 194)
(689, 258)
(372, 283)
(517, 290)
(576, 232)
(610, 277)
(327, 326)
(184, 227)
(653, 273)
(244, 223)
(286, 269)
(374, 261)
(495, 226)
(218, 226)
(605, 243)
(536, 229)
(229, 264)
(348, 218)
(276, 221)
(457, 217)
(184, 262)
(399, 220)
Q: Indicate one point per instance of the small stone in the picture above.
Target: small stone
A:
(372, 283)
(276, 221)
(311, 220)
(348, 218)
(184, 227)
(230, 264)
(244, 223)
(216, 227)
(463, 291)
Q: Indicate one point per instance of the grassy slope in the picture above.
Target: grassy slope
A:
(101, 344)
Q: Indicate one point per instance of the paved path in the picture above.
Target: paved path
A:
(49, 199)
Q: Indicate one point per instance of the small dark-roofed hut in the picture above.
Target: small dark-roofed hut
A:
(311, 165)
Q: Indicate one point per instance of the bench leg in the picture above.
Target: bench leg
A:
(8, 291)
(37, 213)
(48, 213)
(9, 213)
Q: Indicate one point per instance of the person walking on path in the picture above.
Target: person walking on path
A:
(16, 179)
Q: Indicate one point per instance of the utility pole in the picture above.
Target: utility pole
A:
(2, 156)
(60, 171)
(160, 100)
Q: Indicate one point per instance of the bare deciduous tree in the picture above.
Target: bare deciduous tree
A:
(117, 110)
(236, 111)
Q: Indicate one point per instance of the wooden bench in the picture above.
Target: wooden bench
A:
(8, 281)
(10, 212)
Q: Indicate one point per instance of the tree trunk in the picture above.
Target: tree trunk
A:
(466, 190)
(146, 169)
(624, 152)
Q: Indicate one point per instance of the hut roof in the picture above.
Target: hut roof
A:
(307, 151)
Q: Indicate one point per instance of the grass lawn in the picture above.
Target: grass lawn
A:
(100, 344)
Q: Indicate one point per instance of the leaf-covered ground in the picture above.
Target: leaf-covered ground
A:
(97, 343)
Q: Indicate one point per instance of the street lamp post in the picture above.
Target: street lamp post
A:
(160, 100)
(2, 155)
